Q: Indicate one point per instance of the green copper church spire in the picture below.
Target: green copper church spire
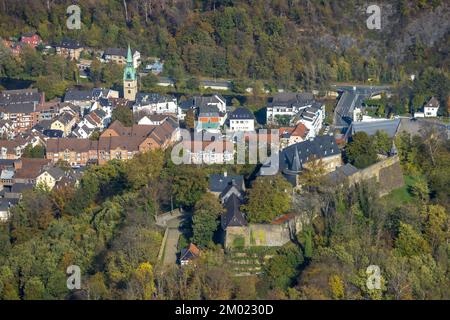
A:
(129, 73)
(129, 56)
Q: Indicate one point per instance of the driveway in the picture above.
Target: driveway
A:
(171, 246)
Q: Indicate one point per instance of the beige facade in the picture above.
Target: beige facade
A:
(45, 179)
(130, 89)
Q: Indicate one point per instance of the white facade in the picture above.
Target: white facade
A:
(169, 106)
(273, 112)
(313, 119)
(430, 111)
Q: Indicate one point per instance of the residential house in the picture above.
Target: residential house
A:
(218, 183)
(209, 118)
(84, 68)
(8, 129)
(156, 67)
(97, 119)
(287, 104)
(202, 101)
(293, 135)
(116, 142)
(74, 151)
(119, 56)
(82, 131)
(48, 110)
(31, 39)
(120, 142)
(155, 103)
(102, 93)
(233, 218)
(12, 149)
(12, 97)
(155, 119)
(28, 170)
(69, 49)
(49, 176)
(65, 123)
(23, 115)
(312, 117)
(33, 137)
(21, 107)
(80, 98)
(5, 208)
(241, 119)
(430, 109)
(189, 254)
(109, 104)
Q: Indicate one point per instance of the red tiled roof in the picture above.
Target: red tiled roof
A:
(283, 218)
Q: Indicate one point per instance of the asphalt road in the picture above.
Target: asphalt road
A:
(351, 97)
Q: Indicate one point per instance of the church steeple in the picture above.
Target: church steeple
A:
(129, 72)
(129, 78)
(129, 56)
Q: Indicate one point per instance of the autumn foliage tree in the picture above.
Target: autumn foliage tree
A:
(268, 197)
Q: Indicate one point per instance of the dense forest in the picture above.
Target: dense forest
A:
(300, 43)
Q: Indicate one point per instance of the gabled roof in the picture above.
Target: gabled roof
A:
(55, 172)
(138, 130)
(202, 101)
(233, 216)
(72, 144)
(231, 189)
(289, 99)
(65, 118)
(21, 187)
(189, 253)
(25, 107)
(218, 182)
(11, 145)
(30, 168)
(69, 44)
(78, 95)
(432, 103)
(20, 96)
(299, 130)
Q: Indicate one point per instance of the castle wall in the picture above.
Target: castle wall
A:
(265, 235)
(387, 173)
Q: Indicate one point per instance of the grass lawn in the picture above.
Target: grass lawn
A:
(402, 195)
